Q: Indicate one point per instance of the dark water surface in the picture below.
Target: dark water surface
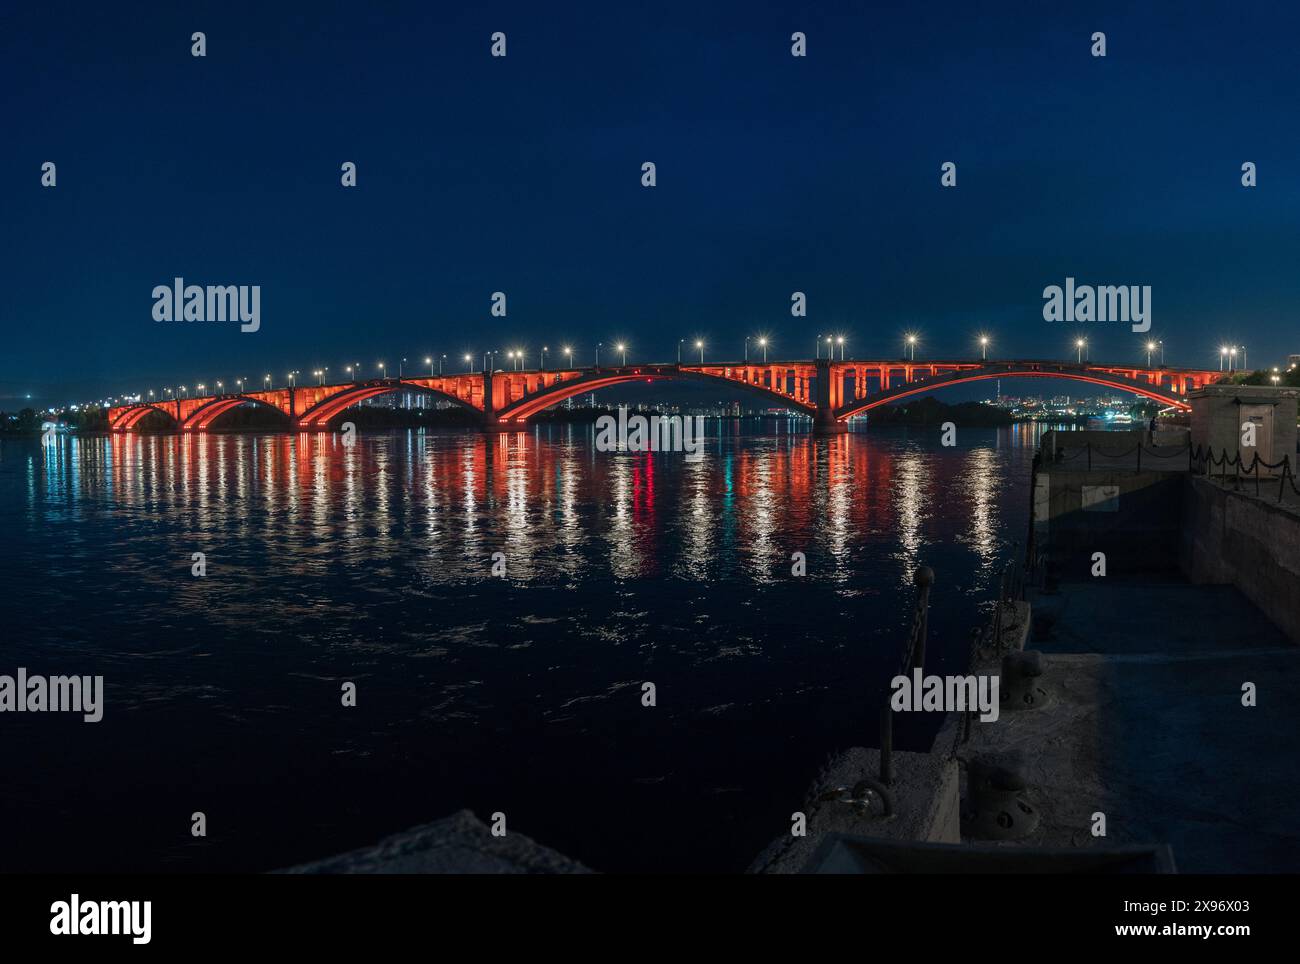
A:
(523, 695)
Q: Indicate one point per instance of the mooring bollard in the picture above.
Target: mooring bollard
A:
(997, 806)
(1022, 688)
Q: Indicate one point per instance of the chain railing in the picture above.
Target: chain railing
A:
(1201, 460)
(913, 657)
(1204, 461)
(1089, 449)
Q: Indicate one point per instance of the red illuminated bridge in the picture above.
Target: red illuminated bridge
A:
(831, 392)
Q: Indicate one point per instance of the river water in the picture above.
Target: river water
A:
(520, 694)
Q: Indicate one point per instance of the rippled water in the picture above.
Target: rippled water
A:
(523, 695)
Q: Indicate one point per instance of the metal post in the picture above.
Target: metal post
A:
(886, 744)
(924, 579)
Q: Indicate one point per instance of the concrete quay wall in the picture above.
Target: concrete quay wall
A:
(1251, 543)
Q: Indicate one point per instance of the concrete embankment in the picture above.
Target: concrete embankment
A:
(1252, 543)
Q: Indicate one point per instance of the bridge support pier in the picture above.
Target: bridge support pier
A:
(825, 423)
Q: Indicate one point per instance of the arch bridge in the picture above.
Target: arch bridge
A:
(831, 392)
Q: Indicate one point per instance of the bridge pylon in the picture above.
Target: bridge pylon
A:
(828, 395)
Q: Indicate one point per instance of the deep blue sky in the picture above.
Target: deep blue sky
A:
(523, 174)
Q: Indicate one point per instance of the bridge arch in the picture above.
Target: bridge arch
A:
(127, 419)
(521, 410)
(319, 415)
(201, 419)
(1081, 373)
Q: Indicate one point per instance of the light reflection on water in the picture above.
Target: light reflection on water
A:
(371, 564)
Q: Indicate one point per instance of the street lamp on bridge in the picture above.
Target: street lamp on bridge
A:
(1079, 345)
(542, 359)
(762, 343)
(699, 343)
(429, 361)
(568, 357)
(622, 350)
(469, 362)
(984, 347)
(911, 346)
(839, 340)
(383, 370)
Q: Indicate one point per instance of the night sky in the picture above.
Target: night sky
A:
(523, 174)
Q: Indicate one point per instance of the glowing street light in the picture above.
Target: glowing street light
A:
(542, 359)
(762, 343)
(622, 350)
(699, 343)
(469, 362)
(984, 347)
(1223, 357)
(911, 347)
(568, 357)
(1079, 345)
(429, 362)
(1151, 346)
(839, 340)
